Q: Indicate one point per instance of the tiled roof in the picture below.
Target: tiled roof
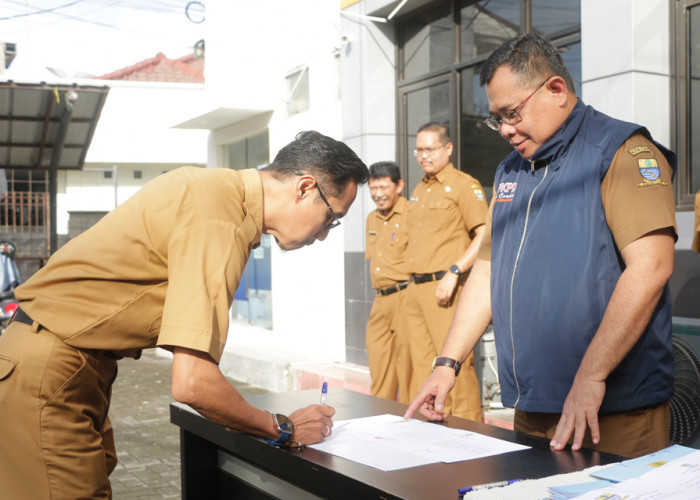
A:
(187, 69)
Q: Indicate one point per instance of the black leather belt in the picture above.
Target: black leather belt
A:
(23, 317)
(425, 278)
(392, 289)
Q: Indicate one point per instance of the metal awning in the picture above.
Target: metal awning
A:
(48, 127)
(45, 126)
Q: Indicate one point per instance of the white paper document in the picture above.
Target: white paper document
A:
(676, 480)
(388, 442)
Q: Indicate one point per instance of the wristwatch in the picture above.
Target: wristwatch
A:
(449, 362)
(284, 426)
(454, 268)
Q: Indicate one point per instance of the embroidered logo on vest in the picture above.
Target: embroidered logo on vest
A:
(506, 191)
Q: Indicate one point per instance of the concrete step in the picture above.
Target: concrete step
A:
(290, 371)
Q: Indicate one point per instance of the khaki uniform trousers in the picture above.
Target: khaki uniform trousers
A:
(387, 348)
(427, 325)
(631, 433)
(57, 441)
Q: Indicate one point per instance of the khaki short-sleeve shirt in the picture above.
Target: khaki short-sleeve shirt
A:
(161, 269)
(633, 205)
(443, 212)
(387, 237)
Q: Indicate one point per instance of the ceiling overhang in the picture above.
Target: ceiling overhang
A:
(219, 118)
(47, 126)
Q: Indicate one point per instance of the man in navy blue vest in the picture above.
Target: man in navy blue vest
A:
(573, 267)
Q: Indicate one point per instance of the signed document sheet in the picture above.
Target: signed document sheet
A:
(388, 442)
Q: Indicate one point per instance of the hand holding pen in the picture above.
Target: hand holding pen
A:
(324, 393)
(313, 423)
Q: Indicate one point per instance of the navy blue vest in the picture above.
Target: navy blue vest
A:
(554, 268)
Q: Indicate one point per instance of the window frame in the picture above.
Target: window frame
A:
(680, 99)
(453, 72)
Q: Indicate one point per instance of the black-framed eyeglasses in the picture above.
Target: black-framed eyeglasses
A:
(511, 117)
(335, 220)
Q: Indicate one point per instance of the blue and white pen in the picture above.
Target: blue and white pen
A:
(498, 484)
(324, 393)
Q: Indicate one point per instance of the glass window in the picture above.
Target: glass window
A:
(486, 24)
(428, 104)
(251, 152)
(694, 97)
(482, 149)
(428, 43)
(252, 302)
(298, 91)
(554, 16)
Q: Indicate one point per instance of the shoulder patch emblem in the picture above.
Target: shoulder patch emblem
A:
(640, 149)
(649, 170)
(479, 194)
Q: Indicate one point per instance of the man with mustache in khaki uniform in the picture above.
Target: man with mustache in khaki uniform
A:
(389, 359)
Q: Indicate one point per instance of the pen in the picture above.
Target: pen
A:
(324, 392)
(497, 484)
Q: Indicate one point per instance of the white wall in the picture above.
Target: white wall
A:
(136, 125)
(626, 61)
(369, 104)
(250, 49)
(134, 132)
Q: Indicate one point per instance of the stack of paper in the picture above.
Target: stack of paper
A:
(623, 471)
(678, 479)
(575, 490)
(629, 469)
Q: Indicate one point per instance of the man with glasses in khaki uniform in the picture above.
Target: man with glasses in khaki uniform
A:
(446, 215)
(159, 270)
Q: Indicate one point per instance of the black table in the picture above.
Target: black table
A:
(221, 464)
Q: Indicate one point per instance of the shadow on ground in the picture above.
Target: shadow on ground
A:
(148, 445)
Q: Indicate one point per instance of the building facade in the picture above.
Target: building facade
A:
(416, 61)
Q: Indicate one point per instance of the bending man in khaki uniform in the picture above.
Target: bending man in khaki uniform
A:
(389, 360)
(159, 270)
(446, 215)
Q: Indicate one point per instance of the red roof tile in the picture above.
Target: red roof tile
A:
(187, 69)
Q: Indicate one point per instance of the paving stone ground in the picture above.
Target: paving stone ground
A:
(148, 445)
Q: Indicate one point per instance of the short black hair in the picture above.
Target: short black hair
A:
(532, 58)
(382, 169)
(331, 161)
(441, 128)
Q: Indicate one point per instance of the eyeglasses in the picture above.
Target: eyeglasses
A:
(335, 221)
(511, 117)
(420, 152)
